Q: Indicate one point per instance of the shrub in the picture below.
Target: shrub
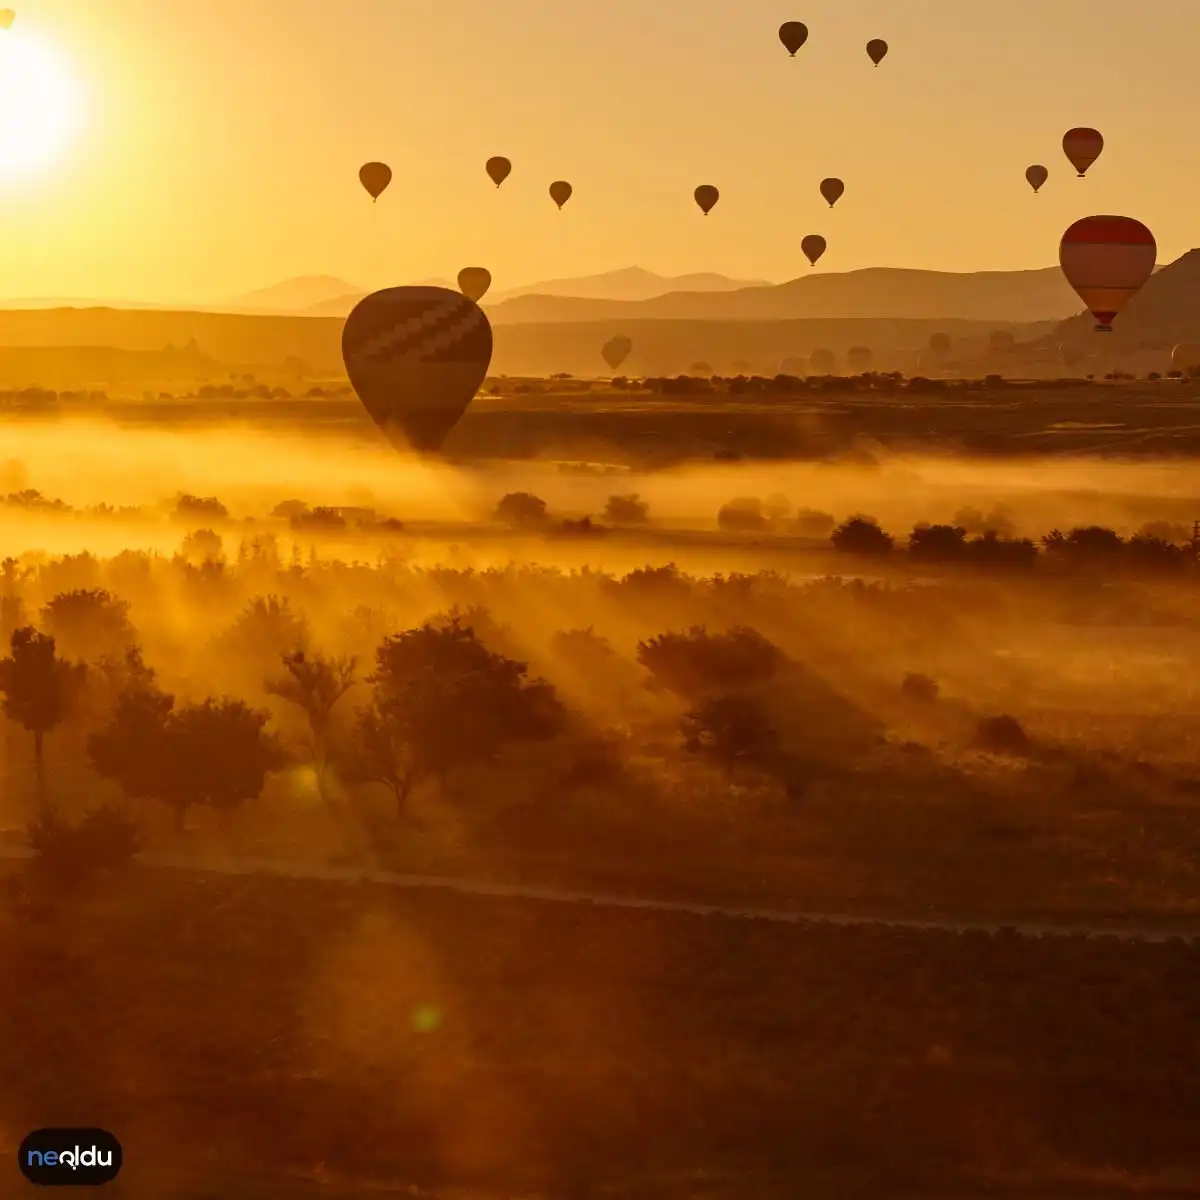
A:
(521, 508)
(861, 535)
(743, 515)
(626, 510)
(937, 543)
(696, 662)
(71, 855)
(1001, 735)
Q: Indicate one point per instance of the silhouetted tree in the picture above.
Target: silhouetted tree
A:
(318, 518)
(315, 684)
(742, 515)
(1091, 545)
(200, 508)
(690, 664)
(89, 622)
(266, 629)
(937, 543)
(1144, 553)
(731, 729)
(919, 687)
(39, 691)
(809, 522)
(861, 535)
(521, 508)
(626, 510)
(1001, 735)
(201, 546)
(993, 551)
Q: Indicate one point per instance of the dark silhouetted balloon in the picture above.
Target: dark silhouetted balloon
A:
(832, 190)
(813, 247)
(1186, 357)
(940, 343)
(822, 362)
(1036, 175)
(474, 282)
(1106, 260)
(859, 359)
(877, 50)
(498, 169)
(7, 17)
(793, 35)
(416, 356)
(560, 192)
(706, 196)
(616, 350)
(1082, 147)
(375, 176)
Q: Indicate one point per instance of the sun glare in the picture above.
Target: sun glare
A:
(39, 104)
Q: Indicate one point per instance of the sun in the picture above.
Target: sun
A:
(39, 104)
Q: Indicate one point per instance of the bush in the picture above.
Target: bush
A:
(937, 543)
(692, 663)
(521, 508)
(72, 855)
(992, 551)
(810, 522)
(861, 535)
(743, 515)
(919, 687)
(626, 510)
(1001, 735)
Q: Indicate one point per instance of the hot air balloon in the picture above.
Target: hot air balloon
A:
(375, 176)
(560, 192)
(832, 190)
(859, 359)
(700, 370)
(474, 282)
(877, 50)
(498, 169)
(7, 17)
(940, 343)
(416, 356)
(1186, 357)
(1001, 341)
(1106, 260)
(1082, 147)
(793, 35)
(813, 246)
(616, 350)
(822, 362)
(1036, 175)
(706, 196)
(793, 366)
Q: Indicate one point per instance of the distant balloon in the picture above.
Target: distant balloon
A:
(1082, 147)
(793, 35)
(7, 17)
(1186, 357)
(416, 356)
(822, 362)
(706, 196)
(859, 359)
(813, 247)
(560, 192)
(616, 350)
(498, 169)
(474, 282)
(877, 50)
(701, 370)
(375, 176)
(1106, 260)
(793, 366)
(1036, 175)
(940, 343)
(1001, 341)
(832, 190)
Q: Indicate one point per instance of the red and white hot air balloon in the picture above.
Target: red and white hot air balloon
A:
(1082, 147)
(1106, 260)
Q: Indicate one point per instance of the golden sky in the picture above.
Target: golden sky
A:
(217, 142)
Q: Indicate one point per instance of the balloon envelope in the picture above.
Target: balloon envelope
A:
(877, 50)
(793, 35)
(1036, 175)
(813, 247)
(832, 190)
(560, 192)
(706, 196)
(375, 176)
(1082, 147)
(822, 362)
(1186, 356)
(940, 343)
(1106, 260)
(474, 282)
(498, 169)
(7, 17)
(859, 359)
(616, 350)
(416, 356)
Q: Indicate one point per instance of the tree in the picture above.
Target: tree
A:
(937, 543)
(266, 629)
(1086, 546)
(697, 662)
(993, 551)
(627, 510)
(441, 699)
(89, 622)
(202, 546)
(521, 508)
(861, 535)
(742, 515)
(203, 507)
(810, 522)
(315, 684)
(39, 690)
(731, 729)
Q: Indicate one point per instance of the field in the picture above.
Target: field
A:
(722, 704)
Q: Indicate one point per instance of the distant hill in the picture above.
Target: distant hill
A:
(874, 292)
(629, 283)
(340, 305)
(291, 295)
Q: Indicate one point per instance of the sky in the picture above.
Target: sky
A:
(214, 146)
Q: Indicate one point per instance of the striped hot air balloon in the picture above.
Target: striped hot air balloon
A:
(1082, 147)
(416, 356)
(1106, 260)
